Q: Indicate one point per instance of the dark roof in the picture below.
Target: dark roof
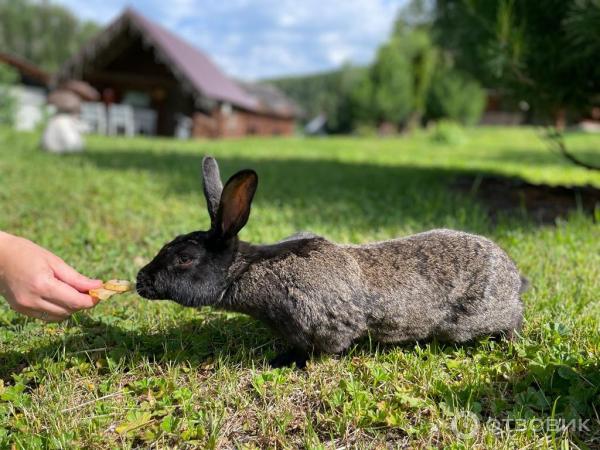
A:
(25, 68)
(194, 64)
(271, 100)
(185, 60)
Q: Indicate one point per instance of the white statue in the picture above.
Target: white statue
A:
(63, 134)
(64, 131)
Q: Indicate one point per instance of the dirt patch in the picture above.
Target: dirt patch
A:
(542, 203)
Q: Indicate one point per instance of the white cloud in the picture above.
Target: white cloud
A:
(261, 38)
(99, 11)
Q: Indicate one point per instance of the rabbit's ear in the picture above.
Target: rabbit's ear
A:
(212, 186)
(234, 208)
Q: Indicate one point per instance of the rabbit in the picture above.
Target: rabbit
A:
(320, 296)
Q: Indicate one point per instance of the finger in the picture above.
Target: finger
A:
(46, 312)
(53, 312)
(67, 274)
(67, 297)
(54, 309)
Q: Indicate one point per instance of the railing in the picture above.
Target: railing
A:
(117, 119)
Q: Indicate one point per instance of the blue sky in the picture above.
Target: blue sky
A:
(254, 39)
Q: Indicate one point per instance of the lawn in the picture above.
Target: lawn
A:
(132, 373)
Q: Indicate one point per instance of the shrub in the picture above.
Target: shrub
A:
(455, 96)
(448, 132)
(365, 130)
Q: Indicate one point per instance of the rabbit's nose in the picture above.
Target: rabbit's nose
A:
(143, 286)
(141, 279)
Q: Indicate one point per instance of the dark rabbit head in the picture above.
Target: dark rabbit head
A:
(192, 269)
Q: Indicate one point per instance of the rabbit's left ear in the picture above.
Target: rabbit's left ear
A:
(234, 208)
(212, 186)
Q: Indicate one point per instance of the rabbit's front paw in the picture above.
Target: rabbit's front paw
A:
(287, 358)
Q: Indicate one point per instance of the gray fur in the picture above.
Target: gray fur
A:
(441, 284)
(299, 236)
(321, 296)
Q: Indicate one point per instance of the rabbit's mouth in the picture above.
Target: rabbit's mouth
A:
(145, 289)
(146, 292)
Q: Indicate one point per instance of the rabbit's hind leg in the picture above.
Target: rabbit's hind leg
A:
(513, 333)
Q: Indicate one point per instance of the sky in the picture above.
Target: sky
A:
(255, 39)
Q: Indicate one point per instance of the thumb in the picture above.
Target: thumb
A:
(67, 274)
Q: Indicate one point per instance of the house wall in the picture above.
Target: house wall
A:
(230, 122)
(31, 106)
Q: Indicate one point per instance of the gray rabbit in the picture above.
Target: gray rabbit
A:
(321, 296)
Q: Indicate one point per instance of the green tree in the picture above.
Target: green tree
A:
(455, 95)
(397, 87)
(546, 52)
(392, 84)
(345, 110)
(424, 60)
(41, 32)
(363, 108)
(8, 102)
(402, 73)
(329, 93)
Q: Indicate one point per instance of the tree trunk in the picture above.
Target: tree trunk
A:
(413, 122)
(560, 119)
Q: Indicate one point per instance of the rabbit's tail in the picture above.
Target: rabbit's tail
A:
(524, 284)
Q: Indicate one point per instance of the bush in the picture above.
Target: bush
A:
(8, 101)
(365, 130)
(455, 96)
(448, 132)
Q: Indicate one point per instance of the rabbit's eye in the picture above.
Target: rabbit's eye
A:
(184, 261)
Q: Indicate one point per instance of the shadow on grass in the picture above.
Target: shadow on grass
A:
(359, 197)
(364, 196)
(236, 339)
(538, 203)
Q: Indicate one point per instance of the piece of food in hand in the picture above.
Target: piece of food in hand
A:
(110, 288)
(118, 285)
(101, 294)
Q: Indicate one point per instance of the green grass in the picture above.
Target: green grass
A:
(132, 373)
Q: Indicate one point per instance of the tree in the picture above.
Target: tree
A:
(424, 60)
(392, 84)
(8, 102)
(361, 99)
(455, 95)
(546, 52)
(41, 32)
(344, 110)
(401, 75)
(397, 87)
(329, 93)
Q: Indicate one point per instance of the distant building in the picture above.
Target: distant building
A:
(499, 111)
(30, 91)
(172, 84)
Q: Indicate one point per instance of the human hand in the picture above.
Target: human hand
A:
(39, 284)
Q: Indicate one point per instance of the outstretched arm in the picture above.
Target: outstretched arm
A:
(39, 284)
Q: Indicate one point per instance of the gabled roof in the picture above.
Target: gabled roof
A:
(271, 99)
(186, 61)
